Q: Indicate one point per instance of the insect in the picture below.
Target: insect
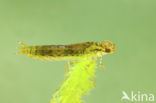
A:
(67, 52)
(71, 51)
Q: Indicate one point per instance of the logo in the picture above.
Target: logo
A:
(137, 97)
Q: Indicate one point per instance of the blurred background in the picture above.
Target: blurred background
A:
(130, 24)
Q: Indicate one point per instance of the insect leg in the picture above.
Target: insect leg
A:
(21, 48)
(22, 44)
(90, 75)
(68, 66)
(66, 70)
(101, 64)
(71, 63)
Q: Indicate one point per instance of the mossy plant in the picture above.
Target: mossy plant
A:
(80, 80)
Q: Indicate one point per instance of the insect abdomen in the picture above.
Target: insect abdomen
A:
(52, 51)
(58, 51)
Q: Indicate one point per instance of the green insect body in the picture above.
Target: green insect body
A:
(71, 51)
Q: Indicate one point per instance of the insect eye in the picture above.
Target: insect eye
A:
(108, 46)
(107, 50)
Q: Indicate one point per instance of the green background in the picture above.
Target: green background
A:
(130, 24)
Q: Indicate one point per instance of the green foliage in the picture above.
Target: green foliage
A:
(79, 82)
